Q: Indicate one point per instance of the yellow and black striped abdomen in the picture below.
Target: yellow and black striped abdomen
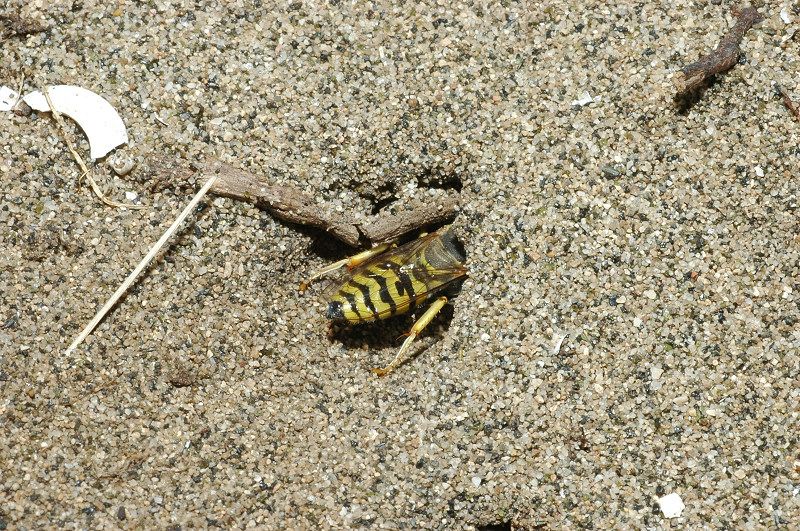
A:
(397, 281)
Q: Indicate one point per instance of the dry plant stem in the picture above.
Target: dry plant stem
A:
(86, 173)
(138, 269)
(789, 103)
(293, 205)
(694, 76)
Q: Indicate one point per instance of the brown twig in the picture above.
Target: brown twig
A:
(788, 102)
(694, 76)
(386, 227)
(286, 203)
(294, 205)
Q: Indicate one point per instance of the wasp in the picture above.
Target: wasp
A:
(388, 280)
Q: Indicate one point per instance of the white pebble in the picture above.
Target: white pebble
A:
(671, 505)
(476, 481)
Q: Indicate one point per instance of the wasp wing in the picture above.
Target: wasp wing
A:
(398, 254)
(400, 278)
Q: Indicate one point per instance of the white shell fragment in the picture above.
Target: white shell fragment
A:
(558, 340)
(785, 16)
(8, 98)
(584, 99)
(98, 119)
(671, 505)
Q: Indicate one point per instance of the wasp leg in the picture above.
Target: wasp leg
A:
(350, 263)
(418, 327)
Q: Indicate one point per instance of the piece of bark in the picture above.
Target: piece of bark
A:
(284, 202)
(386, 227)
(694, 76)
(14, 25)
(294, 205)
(165, 171)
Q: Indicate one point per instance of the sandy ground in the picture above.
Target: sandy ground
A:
(662, 247)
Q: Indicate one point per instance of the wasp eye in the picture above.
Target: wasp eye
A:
(454, 246)
(334, 311)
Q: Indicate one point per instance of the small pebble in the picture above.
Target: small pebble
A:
(121, 164)
(671, 505)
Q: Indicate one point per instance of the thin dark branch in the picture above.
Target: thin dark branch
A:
(787, 100)
(294, 205)
(693, 77)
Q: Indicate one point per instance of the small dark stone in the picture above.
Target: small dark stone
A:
(610, 172)
(183, 375)
(11, 322)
